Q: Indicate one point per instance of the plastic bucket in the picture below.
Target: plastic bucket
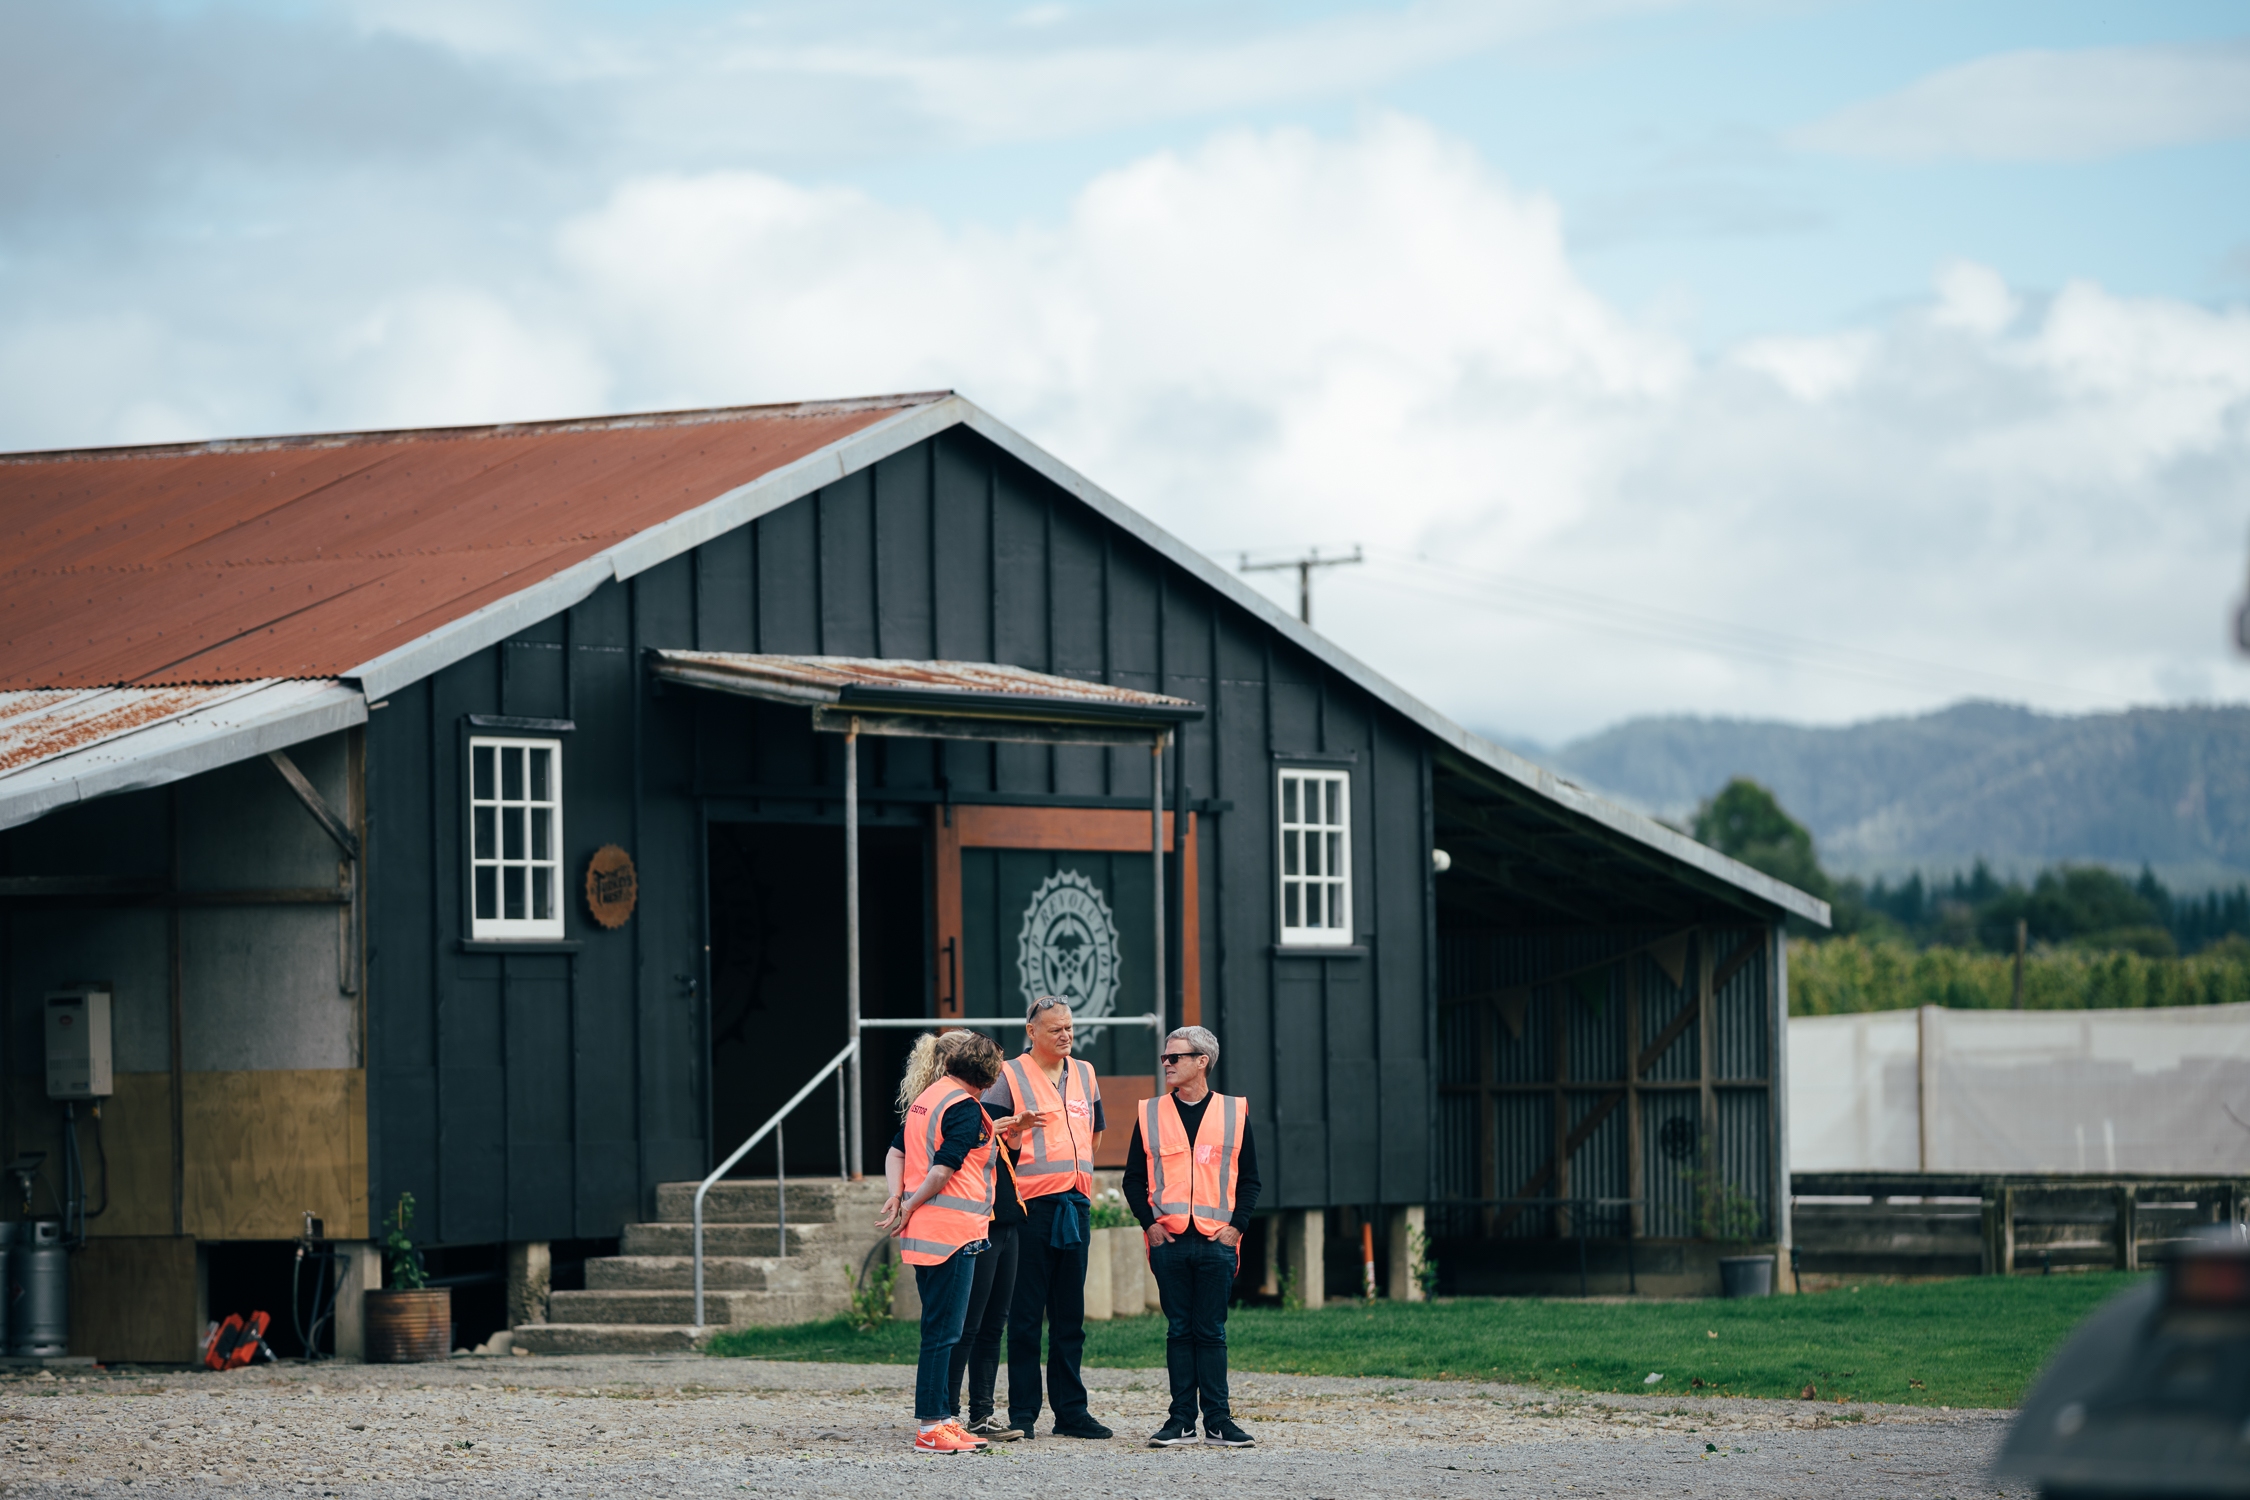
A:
(1745, 1275)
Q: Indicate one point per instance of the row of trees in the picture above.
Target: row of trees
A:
(2095, 938)
(2082, 906)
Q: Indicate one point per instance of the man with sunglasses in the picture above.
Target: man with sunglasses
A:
(1191, 1178)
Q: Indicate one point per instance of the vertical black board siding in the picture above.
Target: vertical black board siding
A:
(846, 566)
(668, 918)
(1400, 861)
(599, 781)
(960, 542)
(905, 610)
(788, 593)
(723, 594)
(538, 1086)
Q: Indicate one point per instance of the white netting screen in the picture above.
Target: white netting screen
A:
(2022, 1091)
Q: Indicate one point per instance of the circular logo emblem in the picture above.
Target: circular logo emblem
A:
(612, 886)
(1068, 946)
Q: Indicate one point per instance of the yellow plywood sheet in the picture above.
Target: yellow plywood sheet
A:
(134, 1299)
(135, 1143)
(264, 1147)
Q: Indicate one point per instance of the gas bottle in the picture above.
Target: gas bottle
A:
(38, 1290)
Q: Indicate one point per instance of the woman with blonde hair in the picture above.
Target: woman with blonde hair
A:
(944, 1223)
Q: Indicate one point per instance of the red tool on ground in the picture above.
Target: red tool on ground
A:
(236, 1342)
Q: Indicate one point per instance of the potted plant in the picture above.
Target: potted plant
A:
(1726, 1214)
(408, 1319)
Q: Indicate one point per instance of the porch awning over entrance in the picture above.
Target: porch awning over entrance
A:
(936, 699)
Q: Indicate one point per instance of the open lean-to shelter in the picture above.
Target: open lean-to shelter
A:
(463, 814)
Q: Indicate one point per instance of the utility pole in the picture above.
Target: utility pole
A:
(1304, 566)
(2015, 1000)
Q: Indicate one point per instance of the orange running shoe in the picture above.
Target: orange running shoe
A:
(945, 1438)
(967, 1436)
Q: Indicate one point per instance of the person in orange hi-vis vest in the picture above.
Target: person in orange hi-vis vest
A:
(941, 1225)
(1191, 1178)
(1055, 1174)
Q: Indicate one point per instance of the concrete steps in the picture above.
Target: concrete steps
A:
(753, 1240)
(641, 1301)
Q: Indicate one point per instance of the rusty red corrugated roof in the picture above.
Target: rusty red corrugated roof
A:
(839, 673)
(304, 557)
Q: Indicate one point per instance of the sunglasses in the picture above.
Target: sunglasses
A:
(1181, 1058)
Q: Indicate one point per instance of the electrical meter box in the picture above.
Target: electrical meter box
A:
(78, 1044)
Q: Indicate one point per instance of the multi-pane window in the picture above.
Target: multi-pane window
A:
(1316, 857)
(515, 838)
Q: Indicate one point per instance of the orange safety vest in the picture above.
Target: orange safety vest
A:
(1201, 1192)
(1059, 1153)
(962, 1213)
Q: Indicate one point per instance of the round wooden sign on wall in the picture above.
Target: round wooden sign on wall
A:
(611, 886)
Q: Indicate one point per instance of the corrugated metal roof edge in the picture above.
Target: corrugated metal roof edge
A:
(271, 716)
(689, 418)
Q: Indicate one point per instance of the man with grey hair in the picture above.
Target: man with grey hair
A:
(1191, 1178)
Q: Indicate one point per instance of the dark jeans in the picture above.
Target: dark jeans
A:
(1050, 1287)
(978, 1353)
(945, 1302)
(1195, 1278)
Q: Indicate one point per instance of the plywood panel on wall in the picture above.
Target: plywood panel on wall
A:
(133, 1299)
(136, 1140)
(264, 1147)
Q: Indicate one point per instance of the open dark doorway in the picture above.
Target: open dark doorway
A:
(777, 980)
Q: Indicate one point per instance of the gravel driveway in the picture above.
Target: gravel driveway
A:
(683, 1424)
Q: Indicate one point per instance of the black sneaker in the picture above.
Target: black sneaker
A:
(1082, 1427)
(1024, 1428)
(1224, 1434)
(993, 1428)
(1174, 1434)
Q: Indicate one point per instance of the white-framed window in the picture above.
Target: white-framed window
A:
(1316, 857)
(515, 838)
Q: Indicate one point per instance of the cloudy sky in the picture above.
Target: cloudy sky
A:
(1770, 358)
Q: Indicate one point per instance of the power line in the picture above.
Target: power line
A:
(1304, 566)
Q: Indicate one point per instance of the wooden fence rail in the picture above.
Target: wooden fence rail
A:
(1941, 1224)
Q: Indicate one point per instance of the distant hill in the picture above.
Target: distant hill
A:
(2169, 787)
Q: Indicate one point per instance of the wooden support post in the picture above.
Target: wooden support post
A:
(1993, 1264)
(2007, 1231)
(2128, 1230)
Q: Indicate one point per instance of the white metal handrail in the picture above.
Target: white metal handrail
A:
(850, 1049)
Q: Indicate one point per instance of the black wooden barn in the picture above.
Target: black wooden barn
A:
(408, 953)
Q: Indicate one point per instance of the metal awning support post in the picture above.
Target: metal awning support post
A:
(1156, 907)
(858, 1157)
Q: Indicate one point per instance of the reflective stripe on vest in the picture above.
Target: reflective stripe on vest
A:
(949, 1219)
(1059, 1155)
(1186, 1184)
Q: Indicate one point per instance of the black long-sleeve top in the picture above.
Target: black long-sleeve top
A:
(1246, 1184)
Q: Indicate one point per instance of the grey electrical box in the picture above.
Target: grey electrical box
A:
(78, 1044)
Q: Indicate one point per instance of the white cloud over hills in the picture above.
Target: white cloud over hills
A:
(1281, 338)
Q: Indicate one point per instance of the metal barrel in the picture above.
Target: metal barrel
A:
(39, 1291)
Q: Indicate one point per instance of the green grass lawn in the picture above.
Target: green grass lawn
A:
(1973, 1342)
